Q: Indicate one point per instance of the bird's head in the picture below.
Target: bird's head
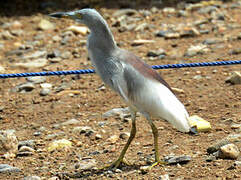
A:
(89, 17)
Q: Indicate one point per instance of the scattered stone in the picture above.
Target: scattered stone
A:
(66, 55)
(45, 92)
(62, 144)
(52, 136)
(198, 49)
(28, 143)
(207, 10)
(46, 85)
(235, 78)
(25, 151)
(235, 51)
(5, 168)
(156, 53)
(124, 135)
(168, 34)
(144, 169)
(78, 29)
(70, 122)
(36, 54)
(6, 35)
(36, 79)
(8, 144)
(189, 32)
(83, 130)
(169, 10)
(113, 139)
(142, 27)
(37, 63)
(122, 12)
(183, 159)
(25, 87)
(86, 164)
(116, 111)
(45, 25)
(2, 69)
(56, 38)
(98, 136)
(211, 41)
(164, 177)
(229, 151)
(141, 42)
(236, 127)
(32, 178)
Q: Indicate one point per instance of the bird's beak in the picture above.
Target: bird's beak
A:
(66, 15)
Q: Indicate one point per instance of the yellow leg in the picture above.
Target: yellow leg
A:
(120, 160)
(155, 134)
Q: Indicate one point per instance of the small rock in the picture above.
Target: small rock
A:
(124, 135)
(6, 35)
(45, 25)
(163, 177)
(28, 143)
(235, 51)
(25, 87)
(36, 54)
(45, 92)
(32, 178)
(113, 139)
(236, 126)
(142, 27)
(37, 63)
(198, 49)
(36, 79)
(59, 145)
(169, 10)
(144, 169)
(70, 122)
(168, 34)
(183, 159)
(235, 78)
(56, 38)
(2, 69)
(37, 133)
(156, 53)
(66, 55)
(5, 168)
(52, 136)
(78, 29)
(229, 151)
(122, 12)
(211, 41)
(8, 144)
(83, 130)
(26, 148)
(116, 111)
(86, 164)
(46, 85)
(98, 136)
(141, 42)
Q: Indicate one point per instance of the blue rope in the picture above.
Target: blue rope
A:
(88, 71)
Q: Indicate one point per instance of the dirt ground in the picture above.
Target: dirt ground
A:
(209, 97)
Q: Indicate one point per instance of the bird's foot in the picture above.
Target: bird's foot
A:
(116, 164)
(157, 163)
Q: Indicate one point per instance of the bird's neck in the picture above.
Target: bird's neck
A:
(101, 38)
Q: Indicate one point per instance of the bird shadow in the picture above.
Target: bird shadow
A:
(95, 172)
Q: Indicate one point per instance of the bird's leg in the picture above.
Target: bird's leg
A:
(155, 134)
(120, 160)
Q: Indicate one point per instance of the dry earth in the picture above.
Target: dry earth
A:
(206, 94)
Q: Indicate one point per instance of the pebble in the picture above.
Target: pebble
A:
(211, 41)
(236, 126)
(168, 34)
(235, 51)
(5, 168)
(52, 136)
(36, 79)
(37, 63)
(124, 135)
(229, 151)
(6, 35)
(28, 143)
(32, 178)
(78, 29)
(2, 69)
(156, 53)
(59, 145)
(183, 159)
(8, 144)
(235, 78)
(83, 130)
(45, 25)
(46, 85)
(66, 55)
(113, 139)
(25, 151)
(116, 111)
(164, 177)
(45, 92)
(141, 42)
(122, 12)
(25, 87)
(197, 49)
(70, 122)
(169, 10)
(36, 54)
(56, 38)
(86, 164)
